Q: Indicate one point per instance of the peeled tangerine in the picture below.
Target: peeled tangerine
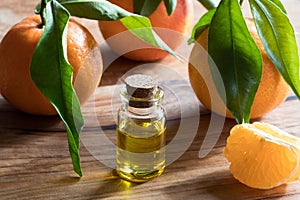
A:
(263, 156)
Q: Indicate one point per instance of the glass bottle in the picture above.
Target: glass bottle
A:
(141, 127)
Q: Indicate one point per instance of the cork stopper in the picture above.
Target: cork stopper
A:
(141, 87)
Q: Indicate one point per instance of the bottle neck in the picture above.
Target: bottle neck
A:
(141, 111)
(142, 106)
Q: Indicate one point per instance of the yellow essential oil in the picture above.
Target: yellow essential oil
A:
(141, 127)
(140, 156)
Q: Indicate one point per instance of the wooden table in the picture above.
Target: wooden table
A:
(34, 157)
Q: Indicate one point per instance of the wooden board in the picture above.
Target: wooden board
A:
(35, 163)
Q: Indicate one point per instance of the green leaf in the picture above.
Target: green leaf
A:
(170, 6)
(279, 4)
(141, 27)
(145, 7)
(278, 38)
(209, 4)
(104, 10)
(201, 25)
(94, 9)
(237, 59)
(52, 74)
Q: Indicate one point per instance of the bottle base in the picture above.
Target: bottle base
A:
(139, 177)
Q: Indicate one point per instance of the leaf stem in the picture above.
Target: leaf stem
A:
(43, 6)
(209, 4)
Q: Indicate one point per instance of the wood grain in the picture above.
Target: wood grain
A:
(34, 156)
(35, 162)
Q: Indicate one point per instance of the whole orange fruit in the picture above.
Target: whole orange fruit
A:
(272, 90)
(171, 29)
(16, 50)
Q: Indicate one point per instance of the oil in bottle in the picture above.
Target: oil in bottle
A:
(141, 129)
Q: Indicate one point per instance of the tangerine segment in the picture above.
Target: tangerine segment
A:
(276, 132)
(261, 157)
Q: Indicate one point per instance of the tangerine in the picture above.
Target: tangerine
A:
(16, 50)
(272, 90)
(171, 29)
